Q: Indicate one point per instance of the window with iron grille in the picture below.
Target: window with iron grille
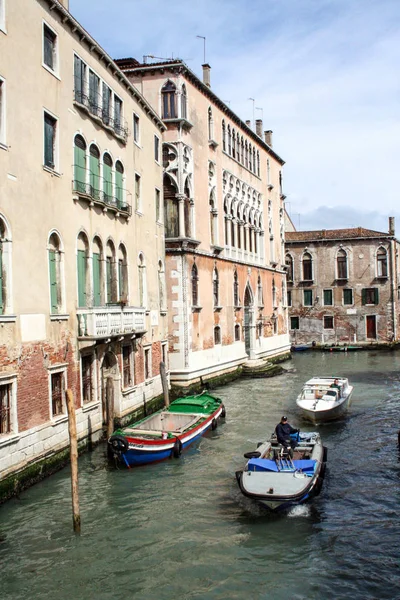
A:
(147, 363)
(328, 322)
(289, 297)
(370, 296)
(294, 323)
(50, 128)
(127, 365)
(57, 394)
(5, 408)
(49, 47)
(87, 379)
(237, 333)
(217, 335)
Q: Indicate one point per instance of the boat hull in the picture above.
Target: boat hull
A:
(317, 416)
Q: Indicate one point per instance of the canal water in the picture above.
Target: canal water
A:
(182, 530)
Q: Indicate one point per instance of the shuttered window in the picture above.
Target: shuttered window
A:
(79, 79)
(107, 177)
(370, 296)
(96, 279)
(119, 175)
(127, 365)
(94, 177)
(49, 140)
(53, 281)
(294, 323)
(87, 382)
(57, 393)
(5, 408)
(308, 297)
(328, 298)
(82, 273)
(80, 164)
(106, 104)
(49, 47)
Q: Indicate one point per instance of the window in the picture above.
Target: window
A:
(161, 287)
(274, 325)
(118, 116)
(6, 403)
(237, 333)
(289, 297)
(55, 277)
(127, 364)
(87, 378)
(137, 192)
(147, 363)
(80, 80)
(57, 393)
(82, 270)
(308, 300)
(369, 296)
(294, 323)
(111, 275)
(217, 335)
(210, 125)
(213, 219)
(5, 268)
(341, 264)
(381, 263)
(97, 272)
(156, 148)
(106, 109)
(94, 99)
(328, 322)
(289, 267)
(50, 132)
(80, 164)
(107, 178)
(223, 136)
(168, 101)
(195, 285)
(307, 267)
(136, 129)
(235, 289)
(142, 281)
(122, 274)
(229, 141)
(49, 48)
(119, 184)
(215, 286)
(347, 296)
(158, 205)
(183, 102)
(2, 110)
(328, 298)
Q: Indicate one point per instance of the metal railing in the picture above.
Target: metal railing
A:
(108, 321)
(98, 190)
(94, 105)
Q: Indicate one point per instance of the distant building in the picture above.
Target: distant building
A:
(82, 273)
(343, 285)
(224, 221)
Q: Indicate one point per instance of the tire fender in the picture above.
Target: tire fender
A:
(119, 444)
(214, 424)
(177, 449)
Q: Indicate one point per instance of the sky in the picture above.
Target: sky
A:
(324, 75)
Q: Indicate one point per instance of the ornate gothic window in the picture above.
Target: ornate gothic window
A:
(195, 285)
(307, 267)
(168, 99)
(216, 287)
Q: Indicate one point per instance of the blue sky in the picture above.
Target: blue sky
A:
(324, 72)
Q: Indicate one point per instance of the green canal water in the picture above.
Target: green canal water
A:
(181, 529)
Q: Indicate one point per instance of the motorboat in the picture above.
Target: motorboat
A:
(167, 432)
(278, 480)
(322, 400)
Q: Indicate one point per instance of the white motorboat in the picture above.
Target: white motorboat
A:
(277, 480)
(324, 399)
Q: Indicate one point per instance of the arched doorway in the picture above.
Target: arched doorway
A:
(248, 319)
(109, 384)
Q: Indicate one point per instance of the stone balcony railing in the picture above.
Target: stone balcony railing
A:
(109, 321)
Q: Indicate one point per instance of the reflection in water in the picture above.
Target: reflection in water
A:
(183, 529)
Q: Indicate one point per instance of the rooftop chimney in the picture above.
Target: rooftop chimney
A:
(391, 226)
(268, 137)
(248, 123)
(206, 74)
(259, 125)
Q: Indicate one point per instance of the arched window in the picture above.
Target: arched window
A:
(258, 163)
(238, 147)
(216, 287)
(55, 274)
(233, 227)
(341, 261)
(5, 268)
(98, 276)
(237, 332)
(168, 96)
(82, 268)
(194, 278)
(119, 179)
(381, 263)
(229, 141)
(213, 219)
(107, 178)
(211, 126)
(250, 158)
(111, 274)
(289, 267)
(254, 160)
(226, 221)
(233, 144)
(80, 164)
(260, 292)
(274, 304)
(161, 287)
(239, 228)
(171, 208)
(183, 102)
(142, 281)
(94, 175)
(242, 150)
(217, 334)
(271, 242)
(122, 274)
(235, 289)
(246, 156)
(223, 136)
(307, 267)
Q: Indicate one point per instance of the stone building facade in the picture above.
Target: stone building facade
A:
(343, 286)
(224, 223)
(83, 291)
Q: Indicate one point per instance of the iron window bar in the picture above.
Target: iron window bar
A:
(94, 106)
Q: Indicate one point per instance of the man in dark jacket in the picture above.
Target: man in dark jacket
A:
(283, 431)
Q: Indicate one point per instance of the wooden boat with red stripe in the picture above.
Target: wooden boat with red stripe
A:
(167, 432)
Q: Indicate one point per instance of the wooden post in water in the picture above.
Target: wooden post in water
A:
(110, 406)
(73, 444)
(164, 382)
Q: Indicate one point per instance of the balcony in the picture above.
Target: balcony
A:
(98, 191)
(93, 106)
(109, 321)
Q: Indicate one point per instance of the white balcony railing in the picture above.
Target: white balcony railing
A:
(108, 321)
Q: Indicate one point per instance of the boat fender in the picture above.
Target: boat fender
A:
(177, 449)
(325, 455)
(119, 444)
(223, 412)
(214, 424)
(252, 454)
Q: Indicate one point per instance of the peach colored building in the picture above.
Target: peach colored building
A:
(224, 227)
(82, 294)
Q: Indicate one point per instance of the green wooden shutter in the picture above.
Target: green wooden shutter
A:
(364, 296)
(81, 278)
(376, 296)
(107, 182)
(1, 281)
(94, 176)
(96, 279)
(109, 278)
(120, 279)
(80, 168)
(53, 282)
(118, 188)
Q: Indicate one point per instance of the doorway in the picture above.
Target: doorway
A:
(371, 327)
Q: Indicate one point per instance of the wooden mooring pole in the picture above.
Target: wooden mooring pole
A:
(73, 444)
(164, 382)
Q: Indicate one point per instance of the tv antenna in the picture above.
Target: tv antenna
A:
(202, 37)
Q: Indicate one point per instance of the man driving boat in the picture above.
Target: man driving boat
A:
(283, 431)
